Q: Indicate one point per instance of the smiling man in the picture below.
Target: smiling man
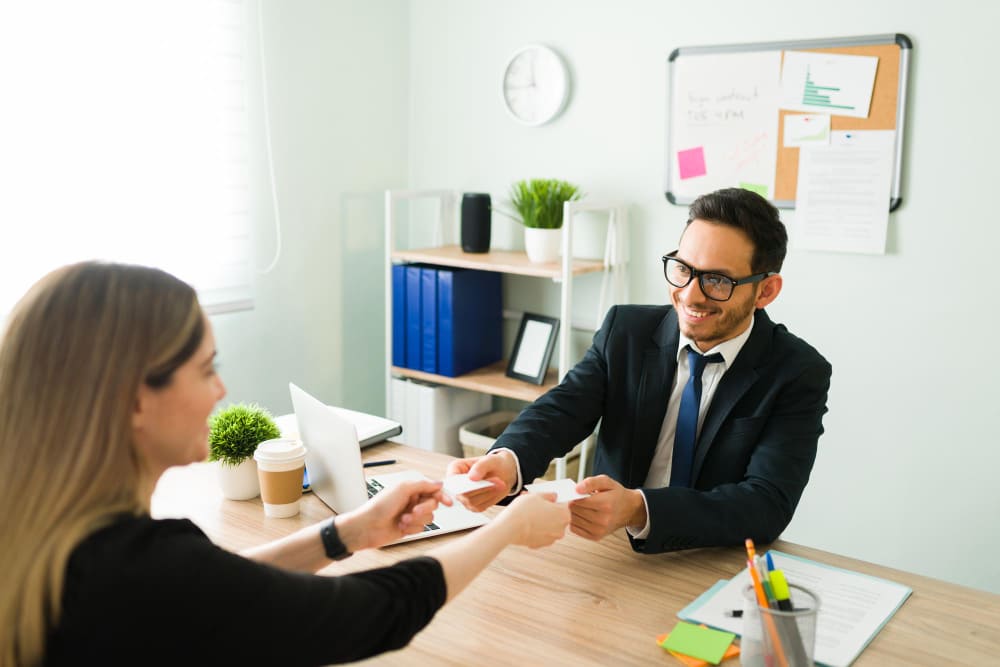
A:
(710, 412)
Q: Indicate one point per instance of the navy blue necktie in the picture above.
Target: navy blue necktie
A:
(686, 434)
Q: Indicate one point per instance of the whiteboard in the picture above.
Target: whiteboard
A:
(725, 118)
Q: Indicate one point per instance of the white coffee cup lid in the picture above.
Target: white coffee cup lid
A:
(279, 450)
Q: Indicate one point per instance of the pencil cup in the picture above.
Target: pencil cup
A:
(774, 638)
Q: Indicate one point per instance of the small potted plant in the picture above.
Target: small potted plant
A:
(539, 205)
(234, 433)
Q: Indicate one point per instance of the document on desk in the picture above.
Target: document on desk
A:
(853, 606)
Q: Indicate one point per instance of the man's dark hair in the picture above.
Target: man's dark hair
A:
(756, 216)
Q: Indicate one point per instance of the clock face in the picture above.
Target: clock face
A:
(535, 85)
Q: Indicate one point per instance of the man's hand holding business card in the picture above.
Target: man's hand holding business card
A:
(607, 507)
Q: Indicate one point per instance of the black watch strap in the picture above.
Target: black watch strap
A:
(332, 544)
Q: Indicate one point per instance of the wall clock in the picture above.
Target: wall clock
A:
(535, 85)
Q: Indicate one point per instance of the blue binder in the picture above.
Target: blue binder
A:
(428, 320)
(413, 320)
(399, 315)
(470, 320)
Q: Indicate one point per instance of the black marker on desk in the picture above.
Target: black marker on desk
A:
(375, 464)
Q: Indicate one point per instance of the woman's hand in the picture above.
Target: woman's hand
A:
(393, 513)
(539, 520)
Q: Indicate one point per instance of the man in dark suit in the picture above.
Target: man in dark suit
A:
(710, 412)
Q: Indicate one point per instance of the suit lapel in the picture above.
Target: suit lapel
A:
(659, 364)
(733, 386)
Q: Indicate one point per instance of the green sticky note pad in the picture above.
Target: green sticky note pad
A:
(699, 642)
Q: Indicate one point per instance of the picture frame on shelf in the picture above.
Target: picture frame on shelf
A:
(536, 338)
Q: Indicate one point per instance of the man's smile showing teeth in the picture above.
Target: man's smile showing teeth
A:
(696, 314)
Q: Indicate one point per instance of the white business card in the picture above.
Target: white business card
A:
(455, 485)
(565, 489)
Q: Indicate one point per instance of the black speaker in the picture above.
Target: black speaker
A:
(476, 222)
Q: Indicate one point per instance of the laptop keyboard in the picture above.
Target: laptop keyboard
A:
(374, 487)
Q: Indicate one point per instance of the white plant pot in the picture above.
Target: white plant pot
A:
(542, 245)
(239, 482)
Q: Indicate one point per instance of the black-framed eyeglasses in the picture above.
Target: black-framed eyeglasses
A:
(716, 286)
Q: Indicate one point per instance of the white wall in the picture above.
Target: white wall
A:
(337, 83)
(906, 473)
(369, 95)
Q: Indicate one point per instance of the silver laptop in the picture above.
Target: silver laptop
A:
(333, 460)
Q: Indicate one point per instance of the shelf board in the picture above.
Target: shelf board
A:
(502, 261)
(490, 379)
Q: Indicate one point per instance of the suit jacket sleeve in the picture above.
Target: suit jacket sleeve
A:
(565, 415)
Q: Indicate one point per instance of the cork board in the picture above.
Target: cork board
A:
(725, 130)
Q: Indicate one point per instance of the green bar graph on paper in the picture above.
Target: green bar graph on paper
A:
(815, 95)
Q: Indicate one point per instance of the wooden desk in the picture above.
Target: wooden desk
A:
(585, 603)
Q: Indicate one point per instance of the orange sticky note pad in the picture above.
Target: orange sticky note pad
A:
(731, 652)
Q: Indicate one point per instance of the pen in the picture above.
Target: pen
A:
(375, 464)
(770, 562)
(761, 570)
(772, 601)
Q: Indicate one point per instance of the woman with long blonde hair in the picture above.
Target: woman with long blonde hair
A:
(107, 379)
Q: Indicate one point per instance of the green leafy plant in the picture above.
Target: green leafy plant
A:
(236, 430)
(539, 201)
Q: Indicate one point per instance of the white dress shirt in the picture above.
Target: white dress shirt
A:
(659, 467)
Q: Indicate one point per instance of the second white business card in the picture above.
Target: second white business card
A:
(565, 489)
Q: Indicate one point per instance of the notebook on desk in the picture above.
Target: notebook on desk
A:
(333, 459)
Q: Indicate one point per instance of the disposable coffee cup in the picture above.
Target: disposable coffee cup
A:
(777, 637)
(280, 463)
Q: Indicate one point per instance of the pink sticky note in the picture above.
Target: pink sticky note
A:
(692, 162)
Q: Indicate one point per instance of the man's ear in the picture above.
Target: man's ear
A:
(768, 291)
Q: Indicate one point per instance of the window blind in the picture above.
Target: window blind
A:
(124, 137)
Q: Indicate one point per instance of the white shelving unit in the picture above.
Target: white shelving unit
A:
(446, 252)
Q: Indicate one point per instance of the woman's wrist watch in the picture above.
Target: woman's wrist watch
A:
(332, 544)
